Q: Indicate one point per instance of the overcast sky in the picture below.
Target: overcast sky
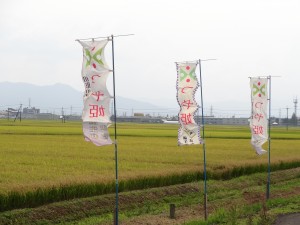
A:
(248, 38)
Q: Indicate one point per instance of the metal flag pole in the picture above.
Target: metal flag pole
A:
(116, 143)
(269, 140)
(269, 143)
(111, 38)
(203, 145)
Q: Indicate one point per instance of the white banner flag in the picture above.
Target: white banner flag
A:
(259, 118)
(97, 100)
(187, 84)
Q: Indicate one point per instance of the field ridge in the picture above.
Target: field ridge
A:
(243, 195)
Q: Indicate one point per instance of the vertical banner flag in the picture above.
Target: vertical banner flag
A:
(187, 84)
(96, 98)
(259, 119)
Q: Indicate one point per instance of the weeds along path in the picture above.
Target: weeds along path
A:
(237, 199)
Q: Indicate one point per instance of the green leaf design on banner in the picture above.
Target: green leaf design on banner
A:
(97, 57)
(89, 58)
(259, 89)
(185, 74)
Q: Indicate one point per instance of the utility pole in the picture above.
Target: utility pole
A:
(62, 115)
(295, 102)
(287, 118)
(19, 112)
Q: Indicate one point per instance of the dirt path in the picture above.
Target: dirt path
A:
(195, 212)
(290, 219)
(183, 215)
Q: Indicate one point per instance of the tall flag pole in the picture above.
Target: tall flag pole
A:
(269, 145)
(189, 129)
(96, 114)
(116, 143)
(260, 123)
(203, 139)
(203, 145)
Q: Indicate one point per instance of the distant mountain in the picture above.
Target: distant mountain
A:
(52, 98)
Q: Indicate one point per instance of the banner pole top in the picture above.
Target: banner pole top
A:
(108, 37)
(196, 61)
(206, 59)
(263, 77)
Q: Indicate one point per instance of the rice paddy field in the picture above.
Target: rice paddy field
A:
(43, 155)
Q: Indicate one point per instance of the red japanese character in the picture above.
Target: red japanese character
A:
(183, 89)
(258, 129)
(93, 110)
(186, 118)
(101, 111)
(258, 105)
(98, 94)
(96, 111)
(258, 116)
(187, 103)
